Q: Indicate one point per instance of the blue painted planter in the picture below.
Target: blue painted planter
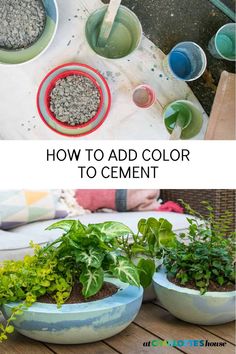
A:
(212, 308)
(80, 323)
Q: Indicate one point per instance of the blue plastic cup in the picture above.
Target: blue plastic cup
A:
(222, 45)
(187, 61)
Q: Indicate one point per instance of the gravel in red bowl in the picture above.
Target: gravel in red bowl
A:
(73, 99)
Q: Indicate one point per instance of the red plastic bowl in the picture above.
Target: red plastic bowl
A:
(51, 86)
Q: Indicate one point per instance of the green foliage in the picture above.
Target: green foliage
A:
(111, 230)
(92, 281)
(126, 271)
(90, 257)
(146, 269)
(83, 254)
(205, 255)
(148, 245)
(86, 254)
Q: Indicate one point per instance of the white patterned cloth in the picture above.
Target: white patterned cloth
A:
(68, 200)
(19, 118)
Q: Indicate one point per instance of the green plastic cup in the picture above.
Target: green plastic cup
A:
(222, 45)
(193, 118)
(125, 37)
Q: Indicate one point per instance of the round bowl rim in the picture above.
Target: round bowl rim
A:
(47, 46)
(190, 103)
(94, 128)
(154, 96)
(127, 294)
(215, 42)
(140, 33)
(160, 278)
(51, 86)
(203, 68)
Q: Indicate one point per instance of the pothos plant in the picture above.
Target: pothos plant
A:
(205, 256)
(83, 254)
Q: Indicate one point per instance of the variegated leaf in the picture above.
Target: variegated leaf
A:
(112, 229)
(91, 257)
(63, 225)
(126, 271)
(67, 225)
(92, 281)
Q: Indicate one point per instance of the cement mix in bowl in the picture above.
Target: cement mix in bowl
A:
(74, 100)
(22, 23)
(35, 31)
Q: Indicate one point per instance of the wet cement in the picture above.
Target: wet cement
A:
(166, 22)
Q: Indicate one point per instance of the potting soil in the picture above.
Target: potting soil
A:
(76, 296)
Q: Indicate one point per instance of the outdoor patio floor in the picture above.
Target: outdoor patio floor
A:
(153, 322)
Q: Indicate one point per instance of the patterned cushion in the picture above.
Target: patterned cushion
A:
(19, 207)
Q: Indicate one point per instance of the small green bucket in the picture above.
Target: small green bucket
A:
(193, 116)
(222, 45)
(125, 37)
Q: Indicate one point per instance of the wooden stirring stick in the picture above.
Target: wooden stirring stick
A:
(108, 22)
(177, 131)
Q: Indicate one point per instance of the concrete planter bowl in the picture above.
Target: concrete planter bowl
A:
(212, 308)
(80, 323)
(149, 294)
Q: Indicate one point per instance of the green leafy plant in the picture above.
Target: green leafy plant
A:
(85, 252)
(204, 258)
(148, 246)
(85, 255)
